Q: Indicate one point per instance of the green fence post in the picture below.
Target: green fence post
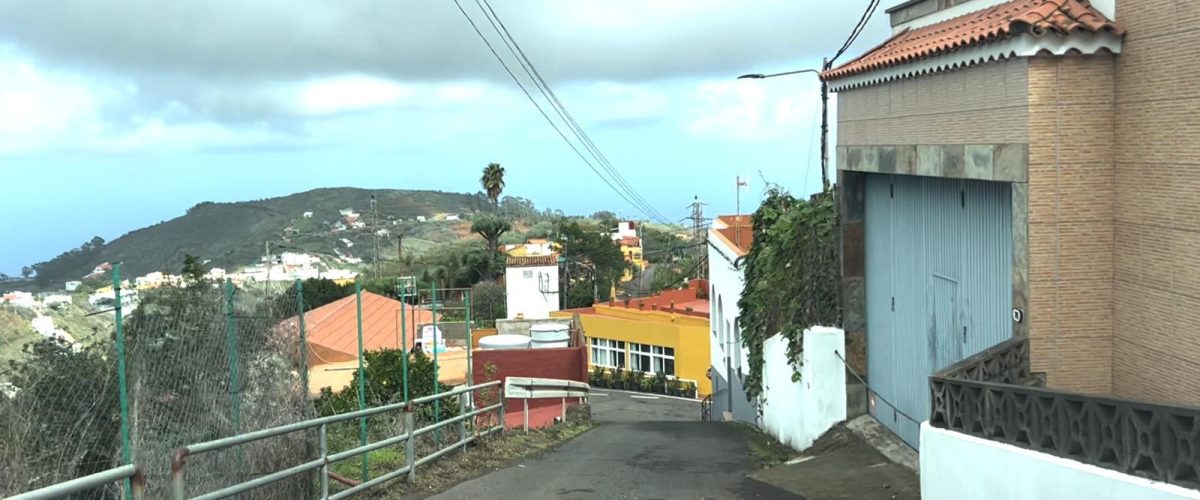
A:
(126, 446)
(303, 338)
(231, 342)
(470, 395)
(437, 386)
(362, 378)
(404, 341)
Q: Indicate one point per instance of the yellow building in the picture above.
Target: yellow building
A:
(533, 248)
(631, 248)
(648, 335)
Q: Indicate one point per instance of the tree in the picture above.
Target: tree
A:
(493, 183)
(594, 261)
(26, 272)
(318, 292)
(606, 218)
(193, 270)
(488, 301)
(491, 228)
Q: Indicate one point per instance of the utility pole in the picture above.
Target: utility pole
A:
(697, 218)
(375, 232)
(826, 64)
(267, 254)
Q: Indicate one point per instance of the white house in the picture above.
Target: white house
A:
(71, 286)
(625, 230)
(728, 242)
(20, 299)
(308, 215)
(453, 218)
(531, 285)
(56, 300)
(420, 218)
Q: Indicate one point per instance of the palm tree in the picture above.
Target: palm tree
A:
(493, 183)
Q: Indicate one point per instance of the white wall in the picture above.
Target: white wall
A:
(531, 291)
(957, 466)
(726, 282)
(797, 413)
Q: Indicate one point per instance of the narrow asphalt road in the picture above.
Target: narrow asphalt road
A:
(643, 448)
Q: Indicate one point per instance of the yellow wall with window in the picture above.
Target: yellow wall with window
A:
(686, 334)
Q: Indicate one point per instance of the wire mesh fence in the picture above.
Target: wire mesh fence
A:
(207, 360)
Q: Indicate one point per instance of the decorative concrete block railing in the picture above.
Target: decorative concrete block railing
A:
(993, 395)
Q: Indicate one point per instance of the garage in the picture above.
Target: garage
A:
(939, 285)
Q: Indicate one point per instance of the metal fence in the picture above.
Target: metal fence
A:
(994, 396)
(193, 362)
(406, 438)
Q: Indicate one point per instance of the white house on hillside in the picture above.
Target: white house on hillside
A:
(729, 241)
(531, 284)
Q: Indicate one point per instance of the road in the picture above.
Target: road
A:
(642, 449)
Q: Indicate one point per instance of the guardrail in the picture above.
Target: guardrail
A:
(85, 483)
(989, 396)
(178, 482)
(525, 388)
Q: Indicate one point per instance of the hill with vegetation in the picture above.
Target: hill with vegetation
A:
(230, 235)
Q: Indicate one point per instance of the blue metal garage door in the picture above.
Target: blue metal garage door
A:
(939, 285)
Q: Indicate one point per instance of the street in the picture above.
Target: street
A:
(644, 447)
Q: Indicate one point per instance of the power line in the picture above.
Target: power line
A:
(548, 92)
(858, 28)
(648, 211)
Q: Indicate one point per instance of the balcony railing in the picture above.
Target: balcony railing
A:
(993, 395)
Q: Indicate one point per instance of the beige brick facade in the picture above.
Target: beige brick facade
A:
(1156, 261)
(1071, 198)
(980, 105)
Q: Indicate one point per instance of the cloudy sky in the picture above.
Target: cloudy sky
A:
(116, 114)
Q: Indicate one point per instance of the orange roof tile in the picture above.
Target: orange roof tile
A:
(739, 238)
(735, 220)
(694, 296)
(989, 25)
(332, 329)
(532, 261)
(631, 241)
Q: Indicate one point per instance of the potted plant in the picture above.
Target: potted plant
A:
(660, 383)
(596, 376)
(647, 384)
(619, 378)
(689, 389)
(673, 387)
(606, 379)
(635, 380)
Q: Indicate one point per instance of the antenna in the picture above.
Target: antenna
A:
(737, 221)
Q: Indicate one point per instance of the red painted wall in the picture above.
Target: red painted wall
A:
(566, 363)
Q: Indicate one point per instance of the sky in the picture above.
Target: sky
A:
(117, 114)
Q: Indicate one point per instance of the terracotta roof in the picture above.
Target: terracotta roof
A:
(532, 261)
(631, 241)
(332, 329)
(990, 25)
(694, 296)
(735, 220)
(739, 238)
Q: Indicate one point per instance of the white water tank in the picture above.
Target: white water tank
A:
(549, 335)
(504, 341)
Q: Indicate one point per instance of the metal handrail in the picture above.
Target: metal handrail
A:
(177, 466)
(85, 483)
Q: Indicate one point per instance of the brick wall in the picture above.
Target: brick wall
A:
(1156, 266)
(566, 363)
(980, 105)
(1070, 228)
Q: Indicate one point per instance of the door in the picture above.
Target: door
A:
(939, 285)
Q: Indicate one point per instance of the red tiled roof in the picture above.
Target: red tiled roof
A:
(332, 329)
(532, 261)
(631, 241)
(735, 220)
(694, 296)
(739, 238)
(989, 25)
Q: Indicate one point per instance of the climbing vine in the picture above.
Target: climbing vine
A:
(792, 278)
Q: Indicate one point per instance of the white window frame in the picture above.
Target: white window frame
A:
(607, 353)
(655, 355)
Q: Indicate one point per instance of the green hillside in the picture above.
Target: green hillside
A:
(233, 234)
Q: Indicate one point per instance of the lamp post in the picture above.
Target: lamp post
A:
(824, 113)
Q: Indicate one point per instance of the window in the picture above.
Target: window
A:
(608, 353)
(652, 358)
(528, 273)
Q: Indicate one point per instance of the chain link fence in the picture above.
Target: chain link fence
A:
(199, 362)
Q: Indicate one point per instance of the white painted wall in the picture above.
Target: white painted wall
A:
(531, 291)
(726, 282)
(797, 413)
(957, 466)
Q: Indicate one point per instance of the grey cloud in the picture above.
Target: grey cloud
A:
(236, 40)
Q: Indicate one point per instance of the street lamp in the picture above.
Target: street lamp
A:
(824, 113)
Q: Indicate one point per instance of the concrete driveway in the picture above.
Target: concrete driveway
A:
(644, 448)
